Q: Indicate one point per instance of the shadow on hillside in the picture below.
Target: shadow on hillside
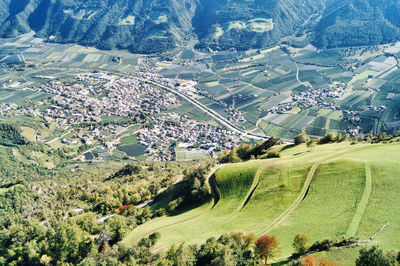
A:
(188, 208)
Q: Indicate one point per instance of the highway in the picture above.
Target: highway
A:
(213, 114)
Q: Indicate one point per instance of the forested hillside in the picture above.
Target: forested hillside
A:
(151, 26)
(360, 22)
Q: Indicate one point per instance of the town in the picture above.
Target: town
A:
(92, 97)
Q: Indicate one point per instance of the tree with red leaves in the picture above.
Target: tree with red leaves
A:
(308, 261)
(266, 247)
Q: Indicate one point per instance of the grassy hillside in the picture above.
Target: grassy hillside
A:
(331, 191)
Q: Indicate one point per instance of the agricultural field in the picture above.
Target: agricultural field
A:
(27, 49)
(131, 147)
(277, 91)
(266, 85)
(343, 190)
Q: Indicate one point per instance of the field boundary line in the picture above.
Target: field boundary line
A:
(362, 206)
(296, 203)
(253, 187)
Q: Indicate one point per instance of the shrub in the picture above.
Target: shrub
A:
(323, 245)
(373, 256)
(273, 154)
(328, 138)
(301, 243)
(160, 212)
(301, 138)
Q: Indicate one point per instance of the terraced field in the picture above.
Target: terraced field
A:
(332, 191)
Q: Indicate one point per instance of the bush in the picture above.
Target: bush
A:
(273, 154)
(301, 138)
(328, 138)
(246, 152)
(300, 243)
(174, 205)
(160, 212)
(323, 245)
(373, 256)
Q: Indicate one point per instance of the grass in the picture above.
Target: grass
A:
(331, 191)
(351, 231)
(326, 207)
(28, 133)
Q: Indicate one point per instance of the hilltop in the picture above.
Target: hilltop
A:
(157, 26)
(343, 190)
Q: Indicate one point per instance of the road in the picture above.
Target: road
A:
(297, 76)
(213, 114)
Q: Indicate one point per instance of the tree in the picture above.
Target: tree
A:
(224, 257)
(301, 243)
(373, 257)
(244, 152)
(308, 261)
(45, 260)
(184, 255)
(301, 138)
(266, 247)
(311, 144)
(232, 157)
(339, 137)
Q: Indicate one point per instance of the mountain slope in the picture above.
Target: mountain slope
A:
(358, 22)
(351, 193)
(148, 26)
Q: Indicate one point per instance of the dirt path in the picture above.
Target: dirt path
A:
(362, 206)
(298, 74)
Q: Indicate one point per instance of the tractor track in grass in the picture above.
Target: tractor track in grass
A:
(304, 192)
(362, 206)
(240, 207)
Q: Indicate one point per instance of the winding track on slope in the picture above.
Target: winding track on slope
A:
(215, 195)
(245, 200)
(248, 196)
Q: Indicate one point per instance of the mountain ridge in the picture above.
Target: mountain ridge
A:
(151, 26)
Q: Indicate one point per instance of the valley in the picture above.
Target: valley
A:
(251, 95)
(199, 132)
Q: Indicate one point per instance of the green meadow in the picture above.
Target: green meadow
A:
(326, 192)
